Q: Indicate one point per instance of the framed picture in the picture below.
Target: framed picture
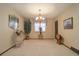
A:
(68, 23)
(13, 22)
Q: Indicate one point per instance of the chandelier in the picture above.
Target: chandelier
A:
(39, 18)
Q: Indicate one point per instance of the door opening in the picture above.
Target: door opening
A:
(56, 28)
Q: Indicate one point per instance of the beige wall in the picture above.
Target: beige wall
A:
(6, 32)
(71, 36)
(49, 30)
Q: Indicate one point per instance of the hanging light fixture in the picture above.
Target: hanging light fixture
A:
(39, 18)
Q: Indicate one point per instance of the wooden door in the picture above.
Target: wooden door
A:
(56, 28)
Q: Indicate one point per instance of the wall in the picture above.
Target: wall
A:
(6, 33)
(71, 36)
(49, 29)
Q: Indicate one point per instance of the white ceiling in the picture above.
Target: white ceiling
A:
(47, 9)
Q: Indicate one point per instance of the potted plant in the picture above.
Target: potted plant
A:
(27, 28)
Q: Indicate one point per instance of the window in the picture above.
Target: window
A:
(13, 22)
(37, 25)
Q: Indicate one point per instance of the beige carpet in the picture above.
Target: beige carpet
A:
(40, 48)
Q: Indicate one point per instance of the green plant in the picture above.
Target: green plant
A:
(27, 27)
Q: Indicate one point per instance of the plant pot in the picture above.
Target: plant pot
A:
(27, 37)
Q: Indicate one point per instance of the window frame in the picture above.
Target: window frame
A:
(45, 21)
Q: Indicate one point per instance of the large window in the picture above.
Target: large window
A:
(13, 22)
(37, 25)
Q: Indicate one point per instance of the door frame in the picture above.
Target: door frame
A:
(56, 28)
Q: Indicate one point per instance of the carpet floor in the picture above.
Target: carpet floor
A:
(40, 48)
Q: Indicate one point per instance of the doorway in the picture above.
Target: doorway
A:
(56, 28)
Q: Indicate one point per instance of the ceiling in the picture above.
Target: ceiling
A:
(47, 9)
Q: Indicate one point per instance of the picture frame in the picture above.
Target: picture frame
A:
(13, 22)
(68, 23)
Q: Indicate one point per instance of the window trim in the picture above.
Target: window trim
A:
(42, 31)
